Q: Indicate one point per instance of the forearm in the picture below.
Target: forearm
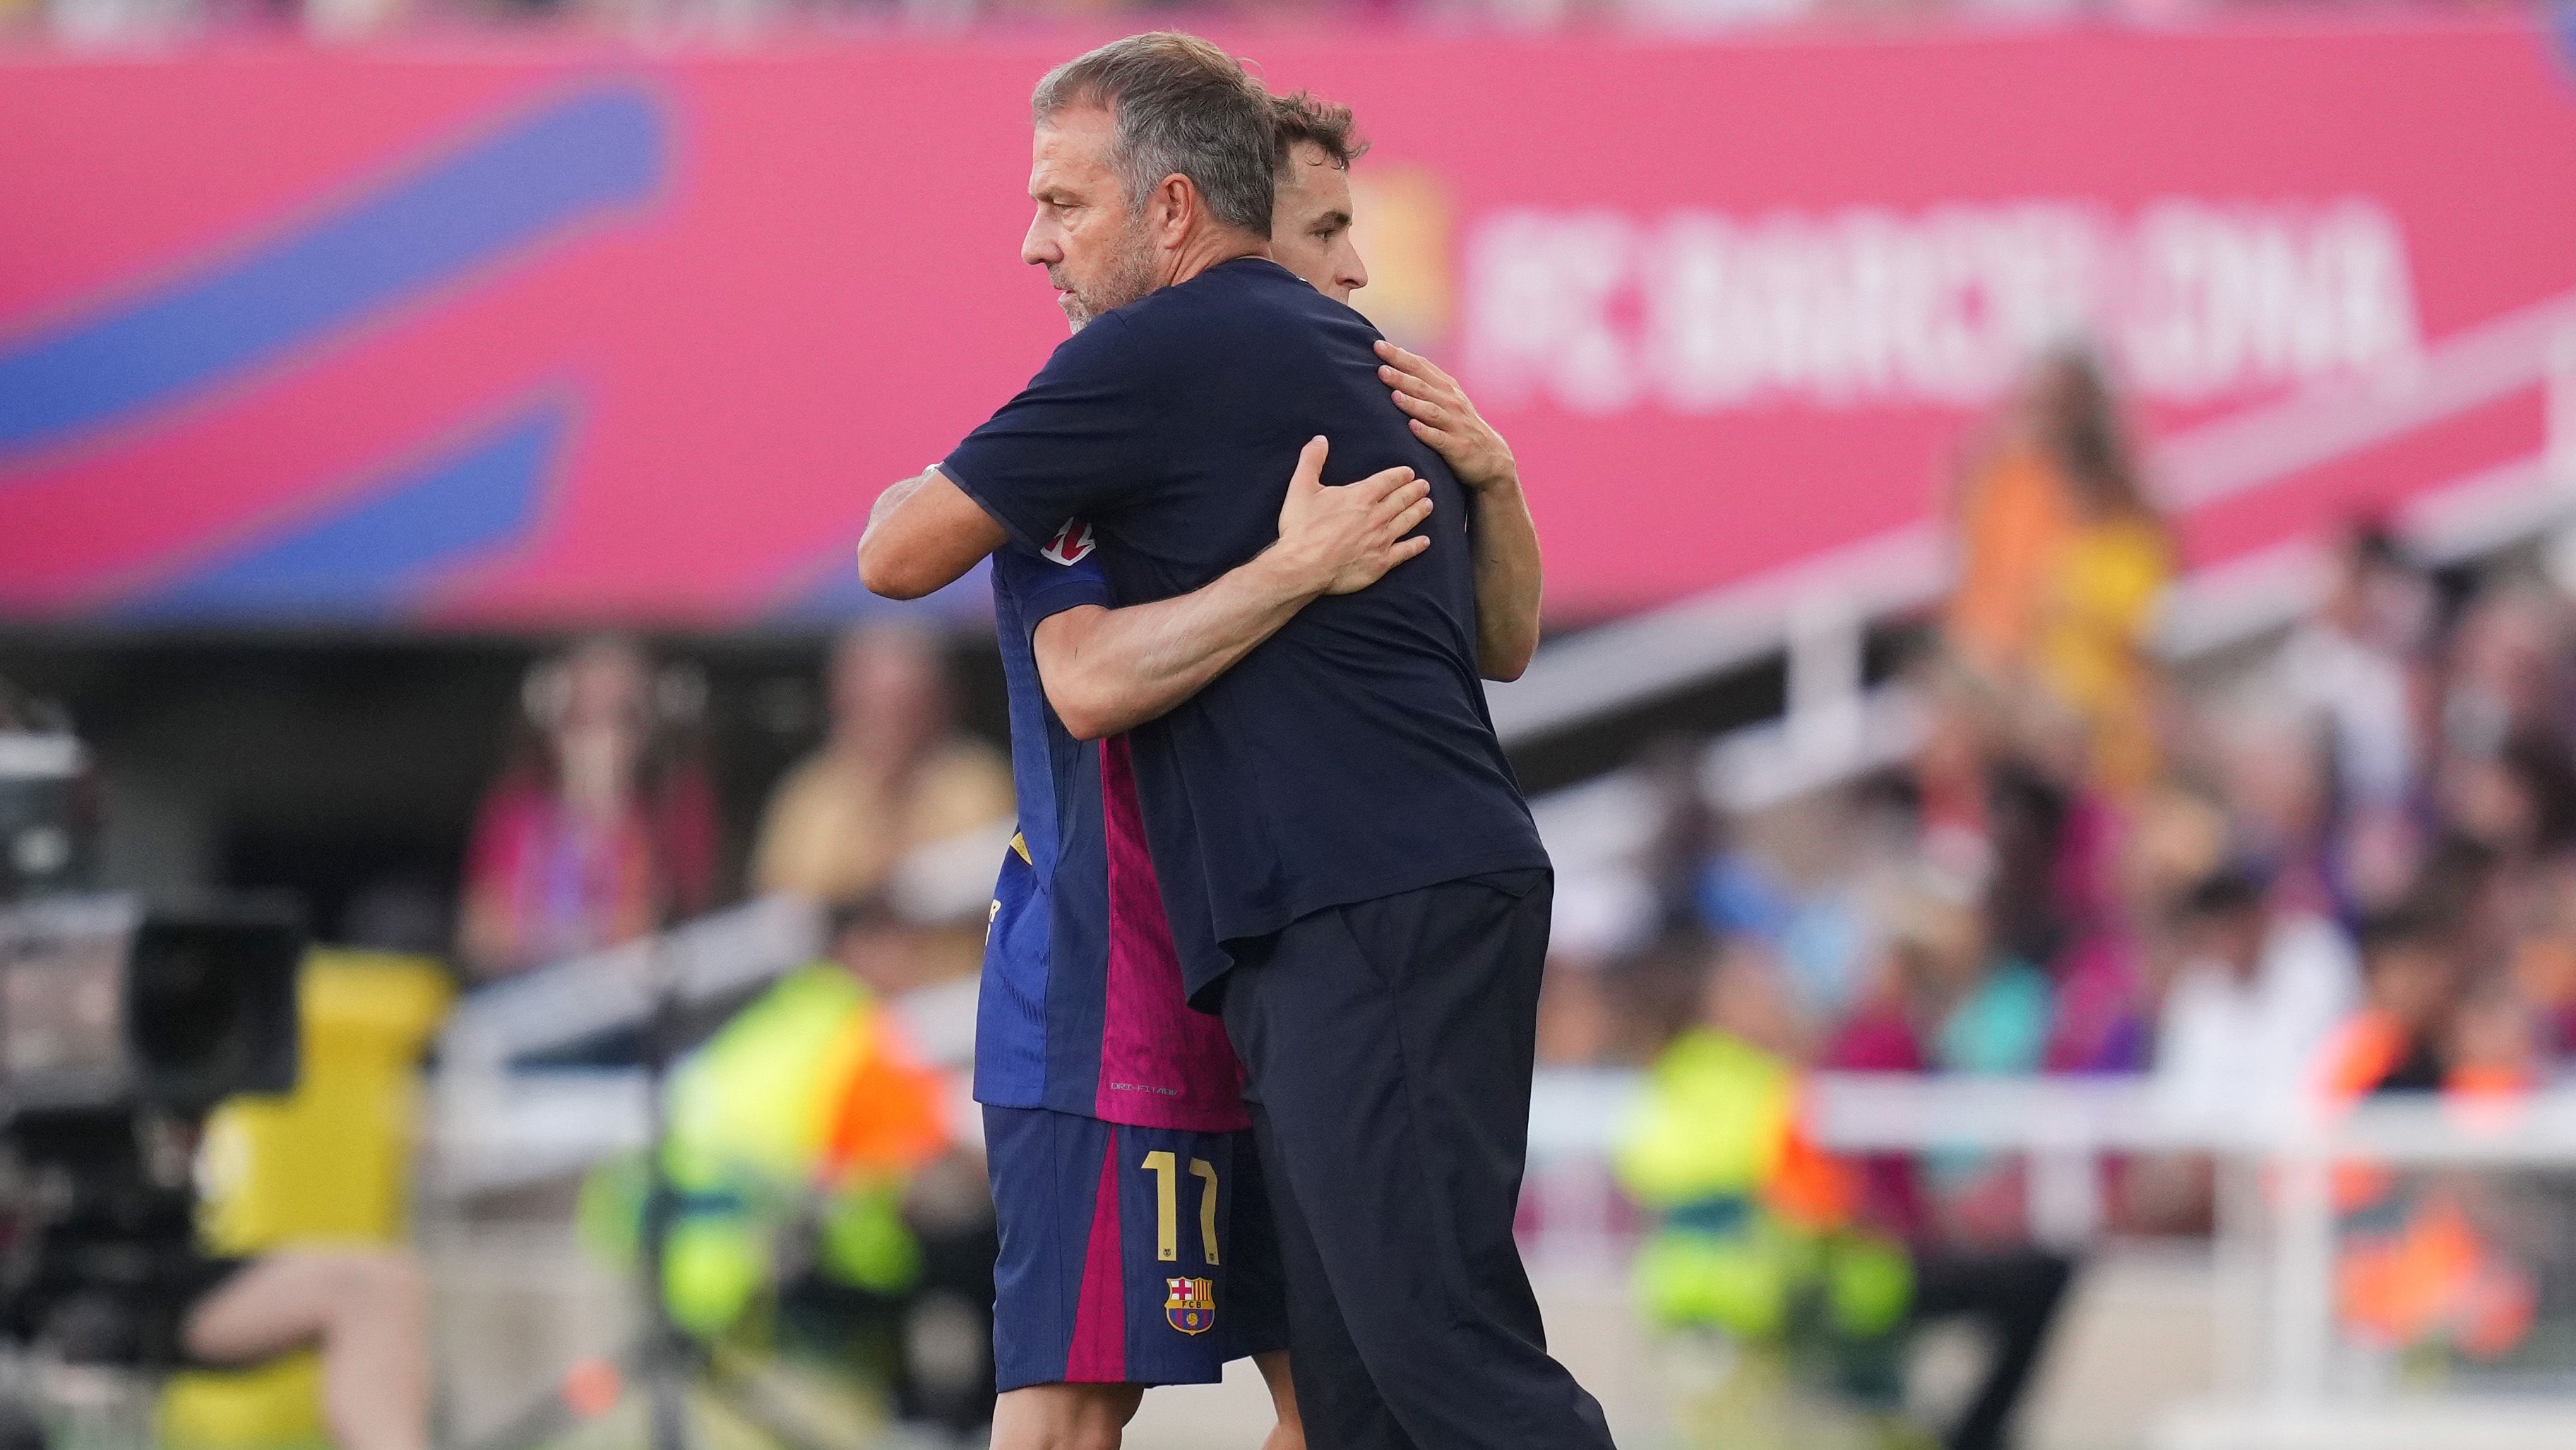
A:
(1108, 670)
(923, 533)
(875, 546)
(1505, 542)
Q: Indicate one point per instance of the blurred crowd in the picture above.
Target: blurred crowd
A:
(821, 1203)
(2086, 866)
(2339, 864)
(603, 825)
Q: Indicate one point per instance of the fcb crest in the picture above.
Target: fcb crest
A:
(1191, 1305)
(1072, 544)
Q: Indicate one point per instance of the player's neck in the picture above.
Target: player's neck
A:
(1209, 248)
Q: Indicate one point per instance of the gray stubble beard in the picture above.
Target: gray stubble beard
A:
(1131, 277)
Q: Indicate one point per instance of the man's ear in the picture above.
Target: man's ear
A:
(1171, 208)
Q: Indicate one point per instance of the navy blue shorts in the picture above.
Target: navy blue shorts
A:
(1141, 1256)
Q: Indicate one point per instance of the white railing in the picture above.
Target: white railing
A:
(2274, 1249)
(575, 1001)
(495, 1123)
(717, 955)
(2272, 1259)
(491, 1127)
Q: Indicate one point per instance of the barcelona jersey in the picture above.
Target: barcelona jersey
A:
(1082, 1009)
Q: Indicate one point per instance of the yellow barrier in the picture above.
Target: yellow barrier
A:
(327, 1163)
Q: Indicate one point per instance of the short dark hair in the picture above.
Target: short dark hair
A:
(1307, 117)
(2233, 890)
(1182, 106)
(873, 910)
(2408, 923)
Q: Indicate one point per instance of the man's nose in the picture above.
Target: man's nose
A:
(1039, 248)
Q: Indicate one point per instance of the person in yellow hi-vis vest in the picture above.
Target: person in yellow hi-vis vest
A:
(806, 1111)
(1766, 1240)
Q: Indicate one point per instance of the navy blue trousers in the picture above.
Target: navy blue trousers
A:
(1388, 1047)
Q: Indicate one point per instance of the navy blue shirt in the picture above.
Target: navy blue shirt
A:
(1350, 756)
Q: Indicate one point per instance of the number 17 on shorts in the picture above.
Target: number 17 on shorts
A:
(1129, 1255)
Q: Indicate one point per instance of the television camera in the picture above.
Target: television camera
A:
(120, 1027)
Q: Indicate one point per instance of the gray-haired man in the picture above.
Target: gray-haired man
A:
(1345, 860)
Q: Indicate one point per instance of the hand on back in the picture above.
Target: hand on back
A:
(1343, 539)
(1442, 417)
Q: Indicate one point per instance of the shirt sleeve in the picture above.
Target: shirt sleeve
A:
(1064, 575)
(1071, 445)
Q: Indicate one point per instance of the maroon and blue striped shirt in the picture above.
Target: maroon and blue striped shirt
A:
(1082, 1009)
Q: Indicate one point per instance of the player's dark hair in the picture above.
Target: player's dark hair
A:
(1307, 117)
(1183, 107)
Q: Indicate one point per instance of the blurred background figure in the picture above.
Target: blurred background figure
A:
(2251, 1003)
(2358, 666)
(601, 829)
(2061, 561)
(1801, 1260)
(823, 1205)
(894, 774)
(2427, 1264)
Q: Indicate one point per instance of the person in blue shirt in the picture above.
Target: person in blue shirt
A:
(1347, 868)
(1137, 1244)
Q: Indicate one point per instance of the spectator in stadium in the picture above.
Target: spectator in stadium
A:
(940, 1323)
(1986, 1013)
(2400, 1038)
(2258, 992)
(1990, 811)
(2134, 864)
(1794, 1254)
(2358, 666)
(2505, 670)
(603, 826)
(2520, 801)
(2257, 989)
(2062, 561)
(893, 775)
(2542, 963)
(2423, 1263)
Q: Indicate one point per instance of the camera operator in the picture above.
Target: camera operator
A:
(99, 1193)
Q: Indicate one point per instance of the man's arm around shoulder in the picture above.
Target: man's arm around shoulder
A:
(922, 535)
(1108, 670)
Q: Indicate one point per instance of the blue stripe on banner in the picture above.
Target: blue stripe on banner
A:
(572, 160)
(370, 559)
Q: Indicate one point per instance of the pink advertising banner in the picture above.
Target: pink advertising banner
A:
(534, 333)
